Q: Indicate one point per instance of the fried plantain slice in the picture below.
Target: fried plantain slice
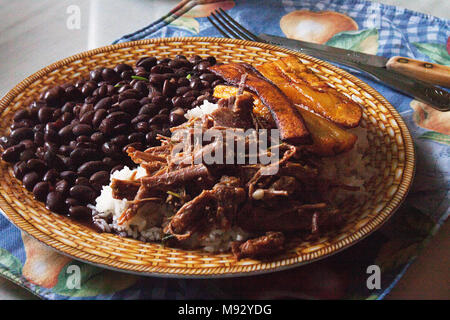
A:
(328, 138)
(305, 88)
(287, 118)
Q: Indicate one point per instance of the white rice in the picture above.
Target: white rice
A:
(200, 111)
(351, 168)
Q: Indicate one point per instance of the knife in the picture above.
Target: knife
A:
(374, 65)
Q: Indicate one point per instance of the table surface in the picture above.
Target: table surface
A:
(34, 34)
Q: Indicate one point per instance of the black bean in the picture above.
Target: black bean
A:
(130, 94)
(130, 105)
(88, 88)
(65, 133)
(69, 176)
(147, 63)
(99, 115)
(182, 90)
(121, 67)
(103, 103)
(80, 212)
(24, 123)
(39, 138)
(52, 160)
(176, 119)
(169, 88)
(41, 190)
(183, 82)
(89, 168)
(87, 107)
(71, 202)
(195, 59)
(98, 138)
(141, 87)
(141, 118)
(62, 186)
(151, 138)
(30, 179)
(51, 176)
(189, 100)
(28, 144)
(36, 165)
(136, 137)
(68, 107)
(82, 129)
(195, 84)
(126, 75)
(96, 75)
(119, 140)
(159, 119)
(52, 136)
(158, 100)
(20, 169)
(110, 149)
(45, 114)
(55, 202)
(100, 178)
(106, 126)
(21, 115)
(92, 99)
(12, 154)
(143, 127)
(149, 109)
(110, 162)
(82, 193)
(73, 93)
(67, 117)
(87, 117)
(157, 79)
(80, 155)
(203, 66)
(27, 155)
(119, 117)
(54, 96)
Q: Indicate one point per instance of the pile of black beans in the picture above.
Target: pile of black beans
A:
(65, 145)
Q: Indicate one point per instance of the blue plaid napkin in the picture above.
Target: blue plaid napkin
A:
(351, 24)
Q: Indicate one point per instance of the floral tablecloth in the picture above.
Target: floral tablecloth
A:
(351, 24)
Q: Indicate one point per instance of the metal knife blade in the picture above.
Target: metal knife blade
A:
(349, 55)
(374, 65)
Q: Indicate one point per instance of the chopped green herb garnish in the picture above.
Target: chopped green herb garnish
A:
(188, 76)
(118, 85)
(174, 194)
(139, 78)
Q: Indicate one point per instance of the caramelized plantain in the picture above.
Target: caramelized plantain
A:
(287, 118)
(329, 139)
(305, 88)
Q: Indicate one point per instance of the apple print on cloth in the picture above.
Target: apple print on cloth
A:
(358, 25)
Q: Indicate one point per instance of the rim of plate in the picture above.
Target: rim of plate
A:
(373, 224)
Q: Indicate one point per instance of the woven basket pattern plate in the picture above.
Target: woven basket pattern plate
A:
(391, 152)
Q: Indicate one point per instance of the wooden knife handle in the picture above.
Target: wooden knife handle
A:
(425, 71)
